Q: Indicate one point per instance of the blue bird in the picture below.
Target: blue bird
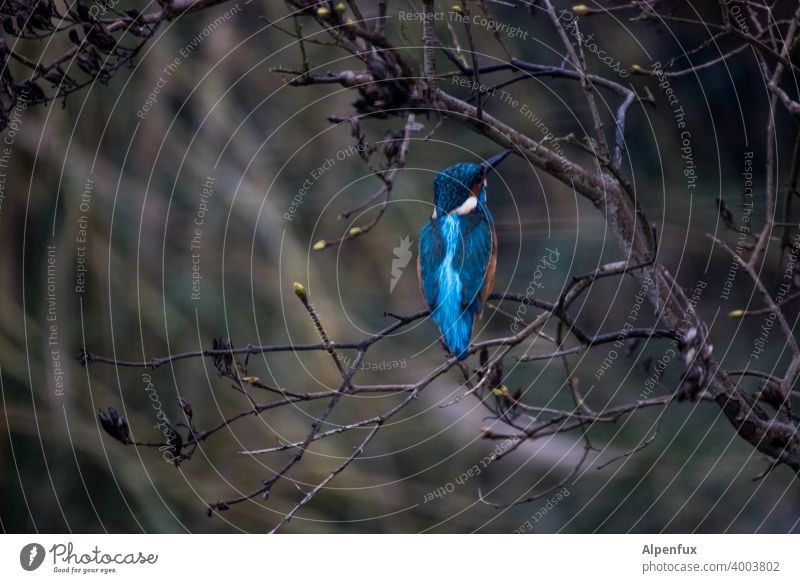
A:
(458, 252)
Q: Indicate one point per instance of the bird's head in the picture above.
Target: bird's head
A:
(461, 188)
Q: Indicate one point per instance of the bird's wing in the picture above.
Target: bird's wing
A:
(475, 261)
(431, 255)
(488, 284)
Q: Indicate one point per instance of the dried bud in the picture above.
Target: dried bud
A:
(115, 425)
(319, 245)
(323, 12)
(725, 214)
(223, 362)
(186, 407)
(580, 9)
(175, 442)
(123, 431)
(631, 344)
(390, 146)
(355, 231)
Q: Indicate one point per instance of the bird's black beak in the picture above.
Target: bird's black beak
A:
(492, 162)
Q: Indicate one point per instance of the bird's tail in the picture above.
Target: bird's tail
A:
(456, 327)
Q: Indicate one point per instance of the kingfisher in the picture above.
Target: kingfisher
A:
(458, 251)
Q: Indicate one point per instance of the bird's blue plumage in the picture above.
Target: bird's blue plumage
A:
(452, 186)
(455, 253)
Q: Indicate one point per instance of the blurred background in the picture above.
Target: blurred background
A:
(100, 242)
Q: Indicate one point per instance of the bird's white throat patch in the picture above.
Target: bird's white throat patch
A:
(467, 206)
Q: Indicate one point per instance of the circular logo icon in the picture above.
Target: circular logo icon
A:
(31, 556)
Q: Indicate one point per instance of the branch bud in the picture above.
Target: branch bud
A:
(300, 291)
